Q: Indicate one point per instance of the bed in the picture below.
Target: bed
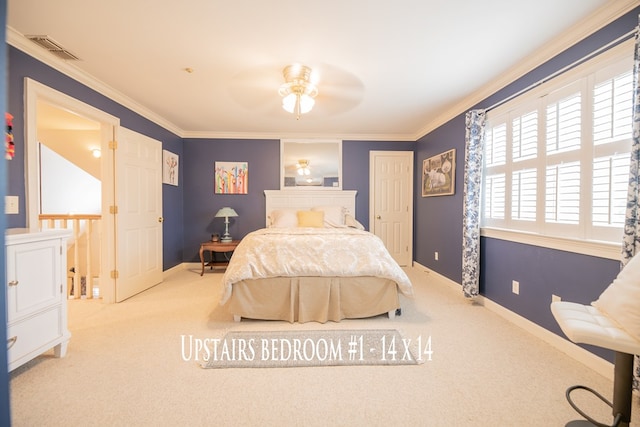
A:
(312, 262)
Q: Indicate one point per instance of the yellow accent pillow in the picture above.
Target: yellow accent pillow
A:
(311, 219)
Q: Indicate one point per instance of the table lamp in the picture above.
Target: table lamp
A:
(226, 212)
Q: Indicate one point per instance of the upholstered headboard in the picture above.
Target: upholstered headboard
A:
(306, 199)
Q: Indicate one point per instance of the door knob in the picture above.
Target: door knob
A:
(378, 217)
(160, 219)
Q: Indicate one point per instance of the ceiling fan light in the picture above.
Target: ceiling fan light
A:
(298, 91)
(306, 103)
(289, 103)
(303, 167)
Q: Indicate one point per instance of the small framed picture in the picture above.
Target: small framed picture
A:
(169, 168)
(231, 177)
(439, 174)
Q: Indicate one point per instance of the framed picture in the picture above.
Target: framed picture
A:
(439, 174)
(169, 168)
(231, 177)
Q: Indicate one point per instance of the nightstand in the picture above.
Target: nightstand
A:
(220, 247)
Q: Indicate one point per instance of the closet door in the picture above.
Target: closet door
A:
(391, 202)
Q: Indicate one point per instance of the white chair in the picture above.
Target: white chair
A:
(587, 325)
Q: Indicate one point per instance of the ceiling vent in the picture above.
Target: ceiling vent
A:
(53, 47)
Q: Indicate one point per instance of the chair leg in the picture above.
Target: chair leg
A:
(588, 421)
(622, 395)
(622, 383)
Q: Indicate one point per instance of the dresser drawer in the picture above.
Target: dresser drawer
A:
(31, 336)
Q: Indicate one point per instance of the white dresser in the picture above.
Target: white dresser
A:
(36, 288)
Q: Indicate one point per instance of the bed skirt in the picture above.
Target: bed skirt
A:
(318, 299)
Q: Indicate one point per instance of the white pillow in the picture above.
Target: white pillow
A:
(333, 215)
(620, 301)
(283, 218)
(350, 221)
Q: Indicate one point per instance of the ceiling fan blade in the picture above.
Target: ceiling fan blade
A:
(256, 88)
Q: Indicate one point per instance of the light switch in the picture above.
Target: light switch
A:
(11, 204)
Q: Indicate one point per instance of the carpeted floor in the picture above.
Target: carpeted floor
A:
(125, 366)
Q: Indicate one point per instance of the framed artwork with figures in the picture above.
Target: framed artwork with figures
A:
(439, 174)
(231, 177)
(170, 164)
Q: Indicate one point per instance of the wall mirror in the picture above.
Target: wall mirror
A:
(310, 164)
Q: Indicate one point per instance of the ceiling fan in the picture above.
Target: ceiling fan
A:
(257, 88)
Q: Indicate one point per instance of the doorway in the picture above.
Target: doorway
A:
(71, 191)
(391, 202)
(106, 124)
(137, 156)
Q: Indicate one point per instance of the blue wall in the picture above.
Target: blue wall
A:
(200, 202)
(438, 220)
(541, 272)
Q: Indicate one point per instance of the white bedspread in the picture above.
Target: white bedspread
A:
(294, 252)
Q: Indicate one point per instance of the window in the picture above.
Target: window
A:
(557, 157)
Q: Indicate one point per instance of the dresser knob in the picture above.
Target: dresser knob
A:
(13, 283)
(11, 341)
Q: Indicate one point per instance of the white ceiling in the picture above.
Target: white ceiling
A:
(388, 70)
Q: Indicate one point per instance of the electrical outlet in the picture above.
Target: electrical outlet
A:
(11, 204)
(515, 287)
(435, 255)
(555, 298)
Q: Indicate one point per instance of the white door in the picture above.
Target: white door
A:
(139, 213)
(391, 202)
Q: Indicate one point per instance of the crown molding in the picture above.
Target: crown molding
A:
(19, 41)
(280, 135)
(605, 15)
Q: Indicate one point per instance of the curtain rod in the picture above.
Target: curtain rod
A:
(574, 64)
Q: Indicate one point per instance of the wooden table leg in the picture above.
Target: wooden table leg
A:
(202, 260)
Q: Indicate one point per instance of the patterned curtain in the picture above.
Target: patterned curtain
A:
(474, 146)
(631, 237)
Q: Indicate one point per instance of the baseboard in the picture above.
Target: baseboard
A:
(180, 267)
(596, 363)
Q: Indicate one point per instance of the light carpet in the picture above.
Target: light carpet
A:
(124, 368)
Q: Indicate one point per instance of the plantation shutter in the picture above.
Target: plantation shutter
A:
(524, 143)
(612, 124)
(563, 193)
(564, 124)
(524, 194)
(525, 136)
(495, 181)
(557, 157)
(494, 196)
